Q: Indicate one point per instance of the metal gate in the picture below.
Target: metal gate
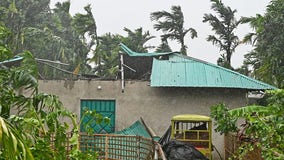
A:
(104, 107)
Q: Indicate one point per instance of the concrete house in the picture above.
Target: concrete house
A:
(178, 85)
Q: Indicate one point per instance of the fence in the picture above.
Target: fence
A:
(115, 146)
(232, 143)
(111, 146)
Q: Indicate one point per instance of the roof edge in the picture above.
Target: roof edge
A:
(137, 54)
(229, 70)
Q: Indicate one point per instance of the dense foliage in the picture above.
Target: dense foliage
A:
(263, 125)
(34, 125)
(54, 35)
(267, 58)
(48, 34)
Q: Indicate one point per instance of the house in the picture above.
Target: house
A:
(178, 85)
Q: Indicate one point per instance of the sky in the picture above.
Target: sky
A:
(113, 15)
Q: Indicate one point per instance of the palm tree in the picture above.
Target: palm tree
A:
(267, 57)
(164, 47)
(256, 23)
(106, 56)
(136, 39)
(172, 24)
(224, 25)
(86, 24)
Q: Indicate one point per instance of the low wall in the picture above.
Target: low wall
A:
(155, 105)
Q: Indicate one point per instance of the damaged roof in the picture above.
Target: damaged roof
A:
(12, 62)
(137, 129)
(136, 54)
(184, 71)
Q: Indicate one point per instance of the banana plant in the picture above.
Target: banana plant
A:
(264, 124)
(12, 143)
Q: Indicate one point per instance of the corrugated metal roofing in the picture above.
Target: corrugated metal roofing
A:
(183, 71)
(136, 54)
(137, 129)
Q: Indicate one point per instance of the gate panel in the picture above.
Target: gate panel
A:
(104, 107)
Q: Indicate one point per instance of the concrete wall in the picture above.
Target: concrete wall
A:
(155, 105)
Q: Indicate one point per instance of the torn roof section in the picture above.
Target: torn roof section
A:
(136, 54)
(184, 71)
(12, 62)
(137, 128)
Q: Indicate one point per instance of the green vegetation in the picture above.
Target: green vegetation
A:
(264, 124)
(38, 127)
(224, 26)
(172, 24)
(267, 57)
(48, 34)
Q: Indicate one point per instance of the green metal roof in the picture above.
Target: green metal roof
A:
(136, 54)
(183, 71)
(137, 129)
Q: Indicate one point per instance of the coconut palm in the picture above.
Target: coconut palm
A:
(223, 24)
(256, 23)
(107, 52)
(164, 47)
(267, 58)
(85, 24)
(136, 39)
(172, 25)
(48, 33)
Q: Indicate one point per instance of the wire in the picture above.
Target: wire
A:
(63, 70)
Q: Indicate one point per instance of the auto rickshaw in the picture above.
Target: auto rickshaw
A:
(193, 129)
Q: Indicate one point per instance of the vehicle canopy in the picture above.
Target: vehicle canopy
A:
(191, 117)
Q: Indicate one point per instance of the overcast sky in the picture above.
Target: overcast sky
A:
(113, 15)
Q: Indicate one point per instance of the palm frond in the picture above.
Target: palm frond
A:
(170, 36)
(216, 24)
(155, 16)
(172, 26)
(248, 39)
(22, 78)
(193, 33)
(165, 26)
(12, 142)
(249, 110)
(214, 40)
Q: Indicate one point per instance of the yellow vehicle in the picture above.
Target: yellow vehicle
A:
(193, 129)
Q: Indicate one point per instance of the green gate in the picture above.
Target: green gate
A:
(104, 107)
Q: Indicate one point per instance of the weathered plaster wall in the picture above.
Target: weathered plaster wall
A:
(155, 105)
